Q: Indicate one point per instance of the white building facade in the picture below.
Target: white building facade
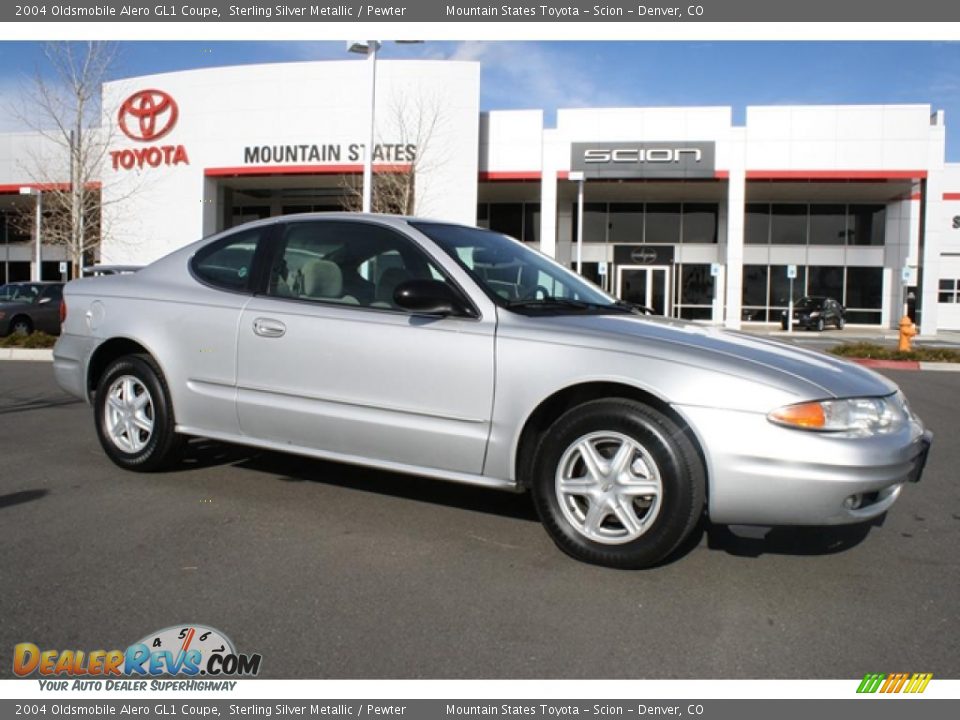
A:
(682, 209)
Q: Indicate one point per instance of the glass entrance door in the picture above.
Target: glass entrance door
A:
(645, 285)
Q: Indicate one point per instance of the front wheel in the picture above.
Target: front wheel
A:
(840, 323)
(618, 483)
(134, 415)
(820, 325)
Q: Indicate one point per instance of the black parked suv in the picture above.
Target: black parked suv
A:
(815, 312)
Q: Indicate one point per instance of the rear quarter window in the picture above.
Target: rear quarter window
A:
(228, 263)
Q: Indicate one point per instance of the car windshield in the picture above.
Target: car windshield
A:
(516, 277)
(20, 292)
(809, 303)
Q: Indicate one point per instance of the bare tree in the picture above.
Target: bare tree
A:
(414, 124)
(63, 106)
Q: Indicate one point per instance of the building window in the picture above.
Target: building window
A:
(626, 222)
(788, 224)
(780, 285)
(816, 224)
(531, 222)
(757, 224)
(694, 292)
(949, 291)
(594, 222)
(662, 223)
(507, 218)
(654, 223)
(699, 223)
(766, 290)
(518, 220)
(864, 288)
(825, 280)
(867, 224)
(828, 224)
(754, 297)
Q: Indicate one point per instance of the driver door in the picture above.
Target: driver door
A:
(327, 361)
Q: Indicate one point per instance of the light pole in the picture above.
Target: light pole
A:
(368, 48)
(37, 274)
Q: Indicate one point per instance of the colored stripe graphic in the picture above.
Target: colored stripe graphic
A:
(894, 683)
(871, 681)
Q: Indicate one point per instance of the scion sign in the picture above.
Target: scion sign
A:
(643, 159)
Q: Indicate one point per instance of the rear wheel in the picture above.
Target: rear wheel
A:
(618, 483)
(134, 415)
(21, 325)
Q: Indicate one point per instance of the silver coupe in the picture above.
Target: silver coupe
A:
(457, 353)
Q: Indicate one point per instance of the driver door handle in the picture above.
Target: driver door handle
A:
(267, 327)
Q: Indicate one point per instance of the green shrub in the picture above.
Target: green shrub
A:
(872, 351)
(33, 340)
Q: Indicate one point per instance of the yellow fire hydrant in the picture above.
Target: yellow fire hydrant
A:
(907, 331)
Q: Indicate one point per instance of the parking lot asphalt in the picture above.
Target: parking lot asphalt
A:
(331, 571)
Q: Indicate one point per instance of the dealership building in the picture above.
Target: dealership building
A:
(678, 208)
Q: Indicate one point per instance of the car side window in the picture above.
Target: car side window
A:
(228, 263)
(54, 293)
(349, 263)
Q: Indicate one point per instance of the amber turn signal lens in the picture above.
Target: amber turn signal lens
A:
(806, 415)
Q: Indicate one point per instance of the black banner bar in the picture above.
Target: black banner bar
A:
(618, 11)
(194, 708)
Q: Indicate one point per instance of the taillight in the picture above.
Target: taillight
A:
(63, 311)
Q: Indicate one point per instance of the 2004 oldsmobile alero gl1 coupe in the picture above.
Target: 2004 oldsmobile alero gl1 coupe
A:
(457, 353)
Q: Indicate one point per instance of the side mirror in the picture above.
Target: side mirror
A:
(429, 297)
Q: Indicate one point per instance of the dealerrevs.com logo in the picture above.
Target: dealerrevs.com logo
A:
(180, 651)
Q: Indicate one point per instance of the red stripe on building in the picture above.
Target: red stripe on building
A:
(300, 170)
(13, 189)
(506, 175)
(951, 196)
(836, 174)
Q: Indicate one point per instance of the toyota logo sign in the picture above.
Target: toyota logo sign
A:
(147, 115)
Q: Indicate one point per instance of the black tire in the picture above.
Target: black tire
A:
(820, 325)
(162, 447)
(675, 460)
(841, 322)
(783, 324)
(21, 325)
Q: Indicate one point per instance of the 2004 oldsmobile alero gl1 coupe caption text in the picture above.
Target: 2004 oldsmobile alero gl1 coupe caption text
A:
(457, 353)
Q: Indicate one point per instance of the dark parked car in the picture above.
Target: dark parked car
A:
(29, 306)
(815, 312)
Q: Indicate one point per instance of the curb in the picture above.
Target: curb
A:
(907, 365)
(33, 354)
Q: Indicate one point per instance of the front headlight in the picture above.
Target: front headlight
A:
(856, 416)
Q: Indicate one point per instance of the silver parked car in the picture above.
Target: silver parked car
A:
(457, 353)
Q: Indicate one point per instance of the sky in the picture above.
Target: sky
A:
(552, 74)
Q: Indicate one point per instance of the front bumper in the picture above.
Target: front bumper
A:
(764, 474)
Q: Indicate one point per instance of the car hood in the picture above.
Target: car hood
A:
(803, 372)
